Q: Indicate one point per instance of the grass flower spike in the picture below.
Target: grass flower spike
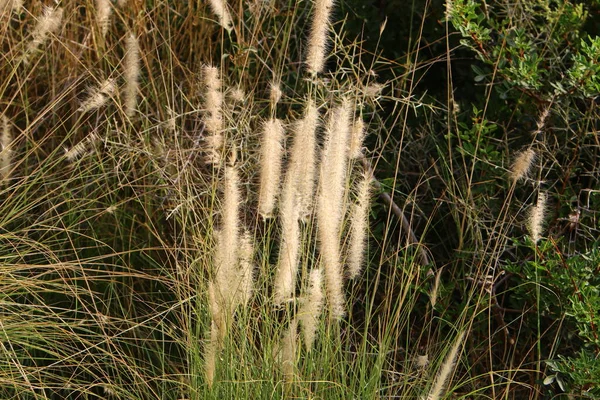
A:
(359, 219)
(311, 307)
(131, 73)
(317, 40)
(6, 151)
(303, 159)
(49, 23)
(330, 205)
(535, 221)
(219, 7)
(270, 165)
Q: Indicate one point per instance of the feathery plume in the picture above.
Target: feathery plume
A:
(522, 164)
(311, 307)
(217, 312)
(330, 205)
(50, 22)
(317, 40)
(435, 289)
(275, 93)
(6, 153)
(356, 139)
(359, 220)
(543, 117)
(246, 272)
(302, 164)
(289, 344)
(226, 258)
(131, 73)
(213, 120)
(270, 165)
(10, 5)
(103, 12)
(99, 96)
(237, 95)
(287, 267)
(219, 7)
(73, 153)
(446, 369)
(535, 221)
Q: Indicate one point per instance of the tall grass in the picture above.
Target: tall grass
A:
(185, 210)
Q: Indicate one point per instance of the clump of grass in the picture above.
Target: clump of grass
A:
(153, 274)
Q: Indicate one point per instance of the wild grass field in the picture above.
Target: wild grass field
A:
(299, 199)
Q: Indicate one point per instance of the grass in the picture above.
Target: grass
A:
(112, 218)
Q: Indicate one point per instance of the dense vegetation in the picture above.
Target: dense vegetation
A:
(304, 199)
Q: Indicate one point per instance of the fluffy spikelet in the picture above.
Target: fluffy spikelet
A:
(131, 73)
(317, 41)
(359, 219)
(213, 120)
(275, 93)
(50, 22)
(433, 295)
(231, 205)
(225, 293)
(289, 344)
(303, 159)
(535, 221)
(10, 5)
(522, 164)
(330, 205)
(103, 13)
(73, 153)
(270, 166)
(219, 7)
(6, 153)
(99, 96)
(237, 95)
(356, 139)
(287, 267)
(217, 313)
(446, 369)
(246, 271)
(311, 308)
(229, 241)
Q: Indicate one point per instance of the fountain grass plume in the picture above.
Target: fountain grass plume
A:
(271, 152)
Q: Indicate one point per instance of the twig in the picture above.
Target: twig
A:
(404, 222)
